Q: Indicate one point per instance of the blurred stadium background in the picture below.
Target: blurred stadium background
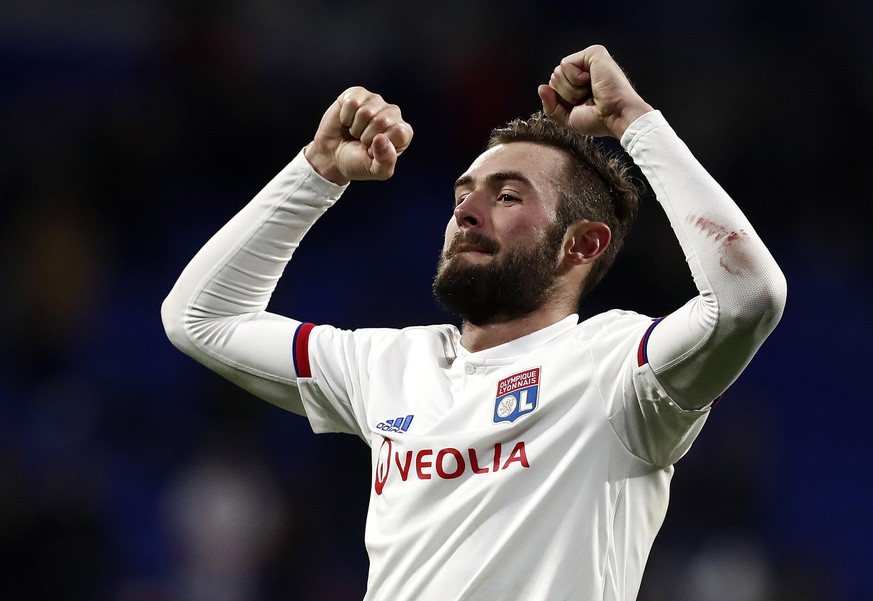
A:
(131, 130)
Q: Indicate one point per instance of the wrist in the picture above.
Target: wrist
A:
(622, 119)
(324, 164)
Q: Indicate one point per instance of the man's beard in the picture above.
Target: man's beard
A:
(515, 285)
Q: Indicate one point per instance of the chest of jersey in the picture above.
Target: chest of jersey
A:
(471, 458)
(433, 424)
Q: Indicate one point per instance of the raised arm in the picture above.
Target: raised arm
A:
(216, 312)
(700, 349)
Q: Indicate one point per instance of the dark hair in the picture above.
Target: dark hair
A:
(598, 187)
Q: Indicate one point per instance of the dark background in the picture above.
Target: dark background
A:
(130, 131)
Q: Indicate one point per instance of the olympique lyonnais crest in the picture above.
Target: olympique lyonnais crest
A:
(517, 395)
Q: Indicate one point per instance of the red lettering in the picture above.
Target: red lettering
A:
(518, 454)
(446, 469)
(404, 469)
(420, 463)
(474, 463)
(460, 466)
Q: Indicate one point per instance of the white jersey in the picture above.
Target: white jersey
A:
(535, 470)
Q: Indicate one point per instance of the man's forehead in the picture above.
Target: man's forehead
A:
(537, 163)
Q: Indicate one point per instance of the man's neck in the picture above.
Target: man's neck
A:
(478, 337)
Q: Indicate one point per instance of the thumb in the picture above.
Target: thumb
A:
(552, 106)
(384, 157)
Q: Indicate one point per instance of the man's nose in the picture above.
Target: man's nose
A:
(469, 213)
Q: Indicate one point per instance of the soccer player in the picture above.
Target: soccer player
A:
(526, 455)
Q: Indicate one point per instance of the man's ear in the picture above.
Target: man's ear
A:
(585, 241)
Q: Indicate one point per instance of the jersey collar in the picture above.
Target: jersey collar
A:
(519, 346)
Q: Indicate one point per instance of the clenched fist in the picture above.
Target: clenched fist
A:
(359, 138)
(589, 92)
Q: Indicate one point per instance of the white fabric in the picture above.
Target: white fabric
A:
(572, 518)
(216, 312)
(570, 508)
(698, 351)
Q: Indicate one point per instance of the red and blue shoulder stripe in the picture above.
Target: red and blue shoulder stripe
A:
(643, 352)
(300, 346)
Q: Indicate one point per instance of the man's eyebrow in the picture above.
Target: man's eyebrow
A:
(495, 178)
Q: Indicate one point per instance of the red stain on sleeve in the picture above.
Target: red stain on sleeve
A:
(731, 247)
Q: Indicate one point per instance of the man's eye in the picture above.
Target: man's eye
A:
(460, 199)
(507, 198)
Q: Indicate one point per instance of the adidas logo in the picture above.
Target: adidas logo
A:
(398, 424)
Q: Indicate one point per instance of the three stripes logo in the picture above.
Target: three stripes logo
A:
(398, 424)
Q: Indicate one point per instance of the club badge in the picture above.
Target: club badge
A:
(517, 395)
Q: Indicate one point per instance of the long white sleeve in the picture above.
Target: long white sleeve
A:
(700, 350)
(216, 312)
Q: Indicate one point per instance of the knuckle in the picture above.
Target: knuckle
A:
(351, 94)
(350, 101)
(367, 112)
(382, 121)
